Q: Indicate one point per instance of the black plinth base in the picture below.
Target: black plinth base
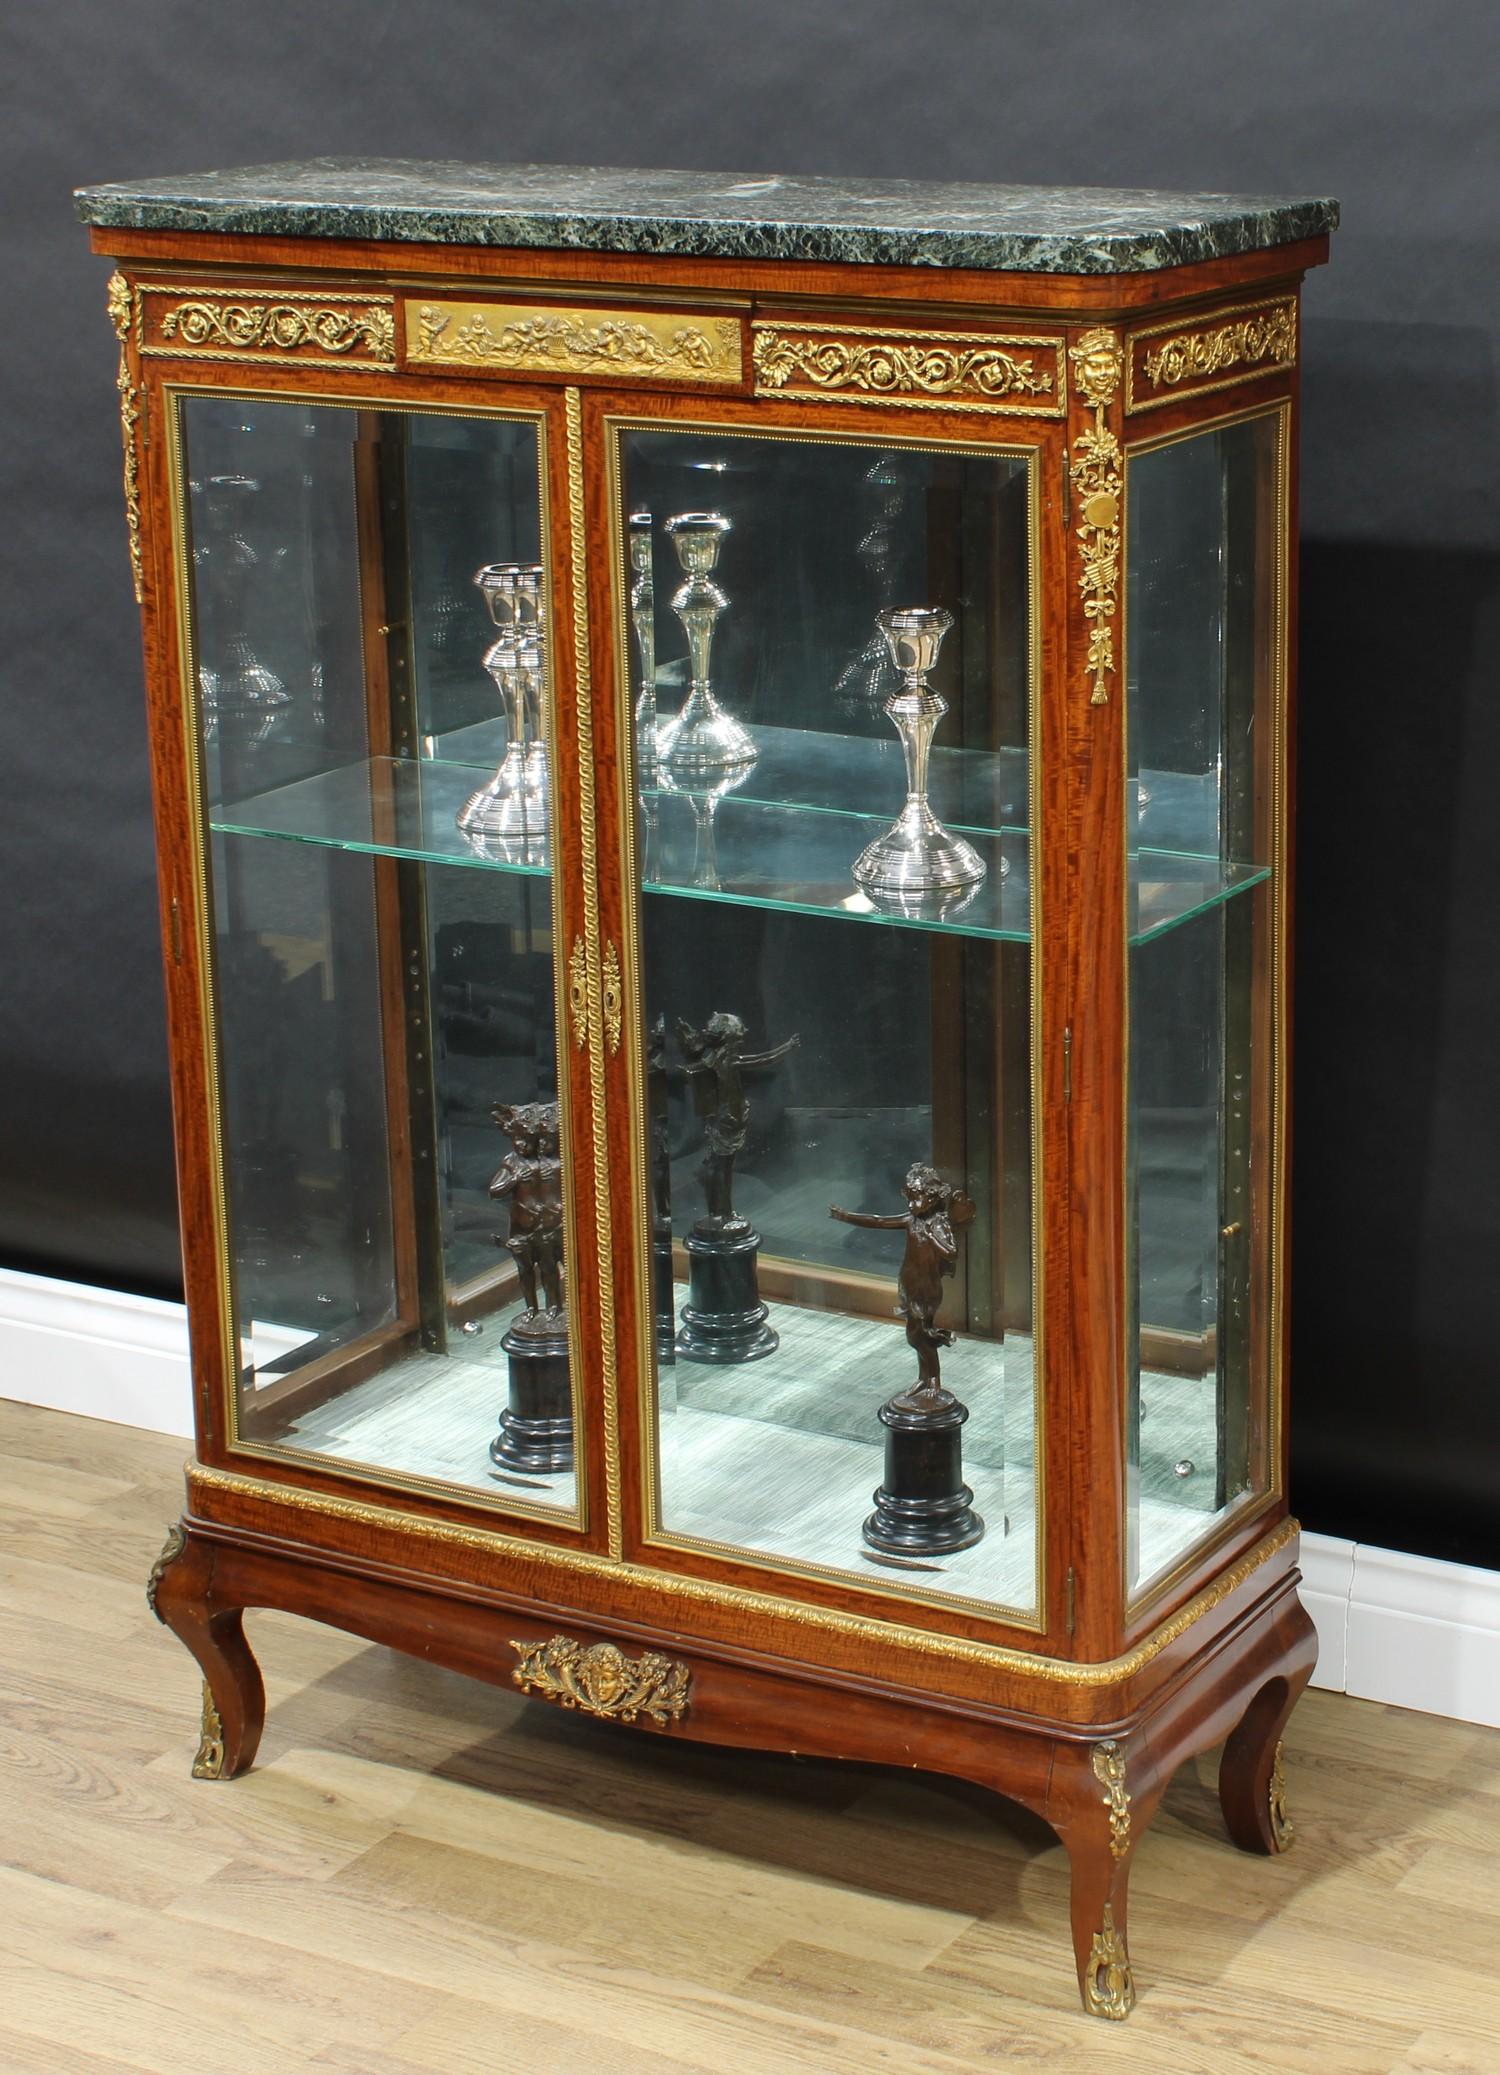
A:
(923, 1508)
(723, 1319)
(536, 1427)
(665, 1296)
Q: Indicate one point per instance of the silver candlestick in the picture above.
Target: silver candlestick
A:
(230, 577)
(703, 737)
(702, 799)
(515, 803)
(532, 662)
(643, 620)
(916, 855)
(867, 679)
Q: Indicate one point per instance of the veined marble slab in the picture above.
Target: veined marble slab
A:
(1043, 230)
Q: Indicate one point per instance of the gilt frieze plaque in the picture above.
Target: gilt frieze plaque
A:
(575, 343)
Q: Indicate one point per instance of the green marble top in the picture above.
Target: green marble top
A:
(1039, 230)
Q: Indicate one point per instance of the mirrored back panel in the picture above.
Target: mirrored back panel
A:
(1205, 531)
(368, 647)
(831, 657)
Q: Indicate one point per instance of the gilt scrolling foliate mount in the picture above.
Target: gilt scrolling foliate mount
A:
(1282, 1827)
(611, 996)
(1096, 477)
(956, 371)
(172, 1548)
(121, 312)
(600, 1679)
(578, 993)
(1237, 345)
(1109, 1770)
(1108, 1984)
(209, 1763)
(281, 326)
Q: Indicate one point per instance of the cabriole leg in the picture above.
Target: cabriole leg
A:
(1252, 1785)
(1104, 1795)
(180, 1593)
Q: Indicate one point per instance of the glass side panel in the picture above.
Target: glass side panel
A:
(1202, 520)
(837, 1002)
(393, 1128)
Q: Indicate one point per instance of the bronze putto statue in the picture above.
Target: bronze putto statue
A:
(715, 1059)
(923, 1508)
(935, 1212)
(531, 1176)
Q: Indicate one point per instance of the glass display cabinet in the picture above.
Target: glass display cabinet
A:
(722, 763)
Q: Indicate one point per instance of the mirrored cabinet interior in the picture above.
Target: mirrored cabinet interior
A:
(722, 759)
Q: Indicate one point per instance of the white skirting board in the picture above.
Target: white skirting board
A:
(104, 1353)
(1403, 1629)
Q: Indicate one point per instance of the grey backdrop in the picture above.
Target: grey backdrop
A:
(1390, 106)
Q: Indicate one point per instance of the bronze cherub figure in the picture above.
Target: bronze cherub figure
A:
(724, 1319)
(935, 1211)
(923, 1507)
(715, 1059)
(531, 1176)
(536, 1425)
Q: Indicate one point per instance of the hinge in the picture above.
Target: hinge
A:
(176, 928)
(1067, 476)
(1068, 1063)
(145, 395)
(1072, 1598)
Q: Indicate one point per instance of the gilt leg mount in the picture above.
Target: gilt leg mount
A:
(1252, 1773)
(1107, 1982)
(209, 1763)
(1282, 1827)
(1103, 1796)
(181, 1594)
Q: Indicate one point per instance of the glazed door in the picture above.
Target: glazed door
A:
(826, 665)
(371, 655)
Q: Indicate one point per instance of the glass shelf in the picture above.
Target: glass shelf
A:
(764, 855)
(860, 774)
(1166, 888)
(839, 774)
(730, 847)
(387, 807)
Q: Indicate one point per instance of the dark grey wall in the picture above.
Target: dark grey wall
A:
(1391, 106)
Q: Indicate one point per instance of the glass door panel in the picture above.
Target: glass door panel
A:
(394, 1125)
(1203, 519)
(831, 671)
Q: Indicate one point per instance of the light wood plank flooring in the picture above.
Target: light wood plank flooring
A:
(426, 1874)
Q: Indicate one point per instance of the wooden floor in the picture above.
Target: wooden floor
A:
(426, 1874)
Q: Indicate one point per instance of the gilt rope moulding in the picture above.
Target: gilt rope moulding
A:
(655, 1016)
